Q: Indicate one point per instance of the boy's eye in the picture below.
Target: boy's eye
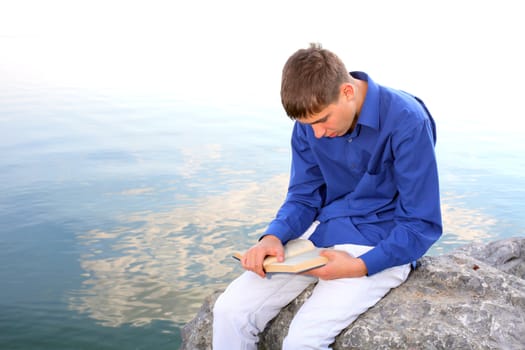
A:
(320, 121)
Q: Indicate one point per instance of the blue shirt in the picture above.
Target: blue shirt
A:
(376, 186)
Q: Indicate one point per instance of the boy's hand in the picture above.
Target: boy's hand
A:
(252, 260)
(340, 265)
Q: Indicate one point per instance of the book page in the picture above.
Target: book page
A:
(292, 248)
(299, 255)
(299, 263)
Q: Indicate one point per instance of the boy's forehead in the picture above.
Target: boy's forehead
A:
(322, 115)
(316, 118)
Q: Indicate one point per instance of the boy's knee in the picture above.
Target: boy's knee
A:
(227, 309)
(222, 307)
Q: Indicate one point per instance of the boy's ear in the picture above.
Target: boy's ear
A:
(347, 90)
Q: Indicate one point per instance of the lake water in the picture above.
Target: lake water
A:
(117, 214)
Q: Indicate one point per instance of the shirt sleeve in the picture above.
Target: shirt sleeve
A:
(305, 191)
(417, 213)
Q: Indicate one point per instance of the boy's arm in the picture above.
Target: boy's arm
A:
(418, 213)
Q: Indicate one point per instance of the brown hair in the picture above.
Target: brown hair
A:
(311, 80)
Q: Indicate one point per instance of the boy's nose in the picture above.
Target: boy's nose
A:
(319, 131)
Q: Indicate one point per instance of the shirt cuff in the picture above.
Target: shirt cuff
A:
(376, 260)
(278, 229)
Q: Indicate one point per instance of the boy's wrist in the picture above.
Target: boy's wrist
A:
(270, 236)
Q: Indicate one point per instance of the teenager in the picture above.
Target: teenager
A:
(363, 181)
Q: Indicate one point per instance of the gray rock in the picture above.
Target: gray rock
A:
(196, 334)
(472, 298)
(507, 254)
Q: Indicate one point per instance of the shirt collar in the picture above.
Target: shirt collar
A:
(369, 114)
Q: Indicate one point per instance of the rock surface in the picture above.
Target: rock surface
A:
(472, 298)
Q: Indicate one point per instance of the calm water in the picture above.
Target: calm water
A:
(117, 214)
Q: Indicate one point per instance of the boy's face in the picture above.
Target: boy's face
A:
(336, 119)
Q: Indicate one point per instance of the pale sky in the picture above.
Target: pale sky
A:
(464, 56)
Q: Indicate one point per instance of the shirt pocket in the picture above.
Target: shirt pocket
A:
(381, 184)
(357, 160)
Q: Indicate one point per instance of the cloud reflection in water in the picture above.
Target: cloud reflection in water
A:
(159, 265)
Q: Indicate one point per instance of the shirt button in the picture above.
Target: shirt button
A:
(349, 139)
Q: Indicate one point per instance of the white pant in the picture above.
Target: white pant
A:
(250, 302)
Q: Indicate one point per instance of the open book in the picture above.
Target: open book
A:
(299, 255)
